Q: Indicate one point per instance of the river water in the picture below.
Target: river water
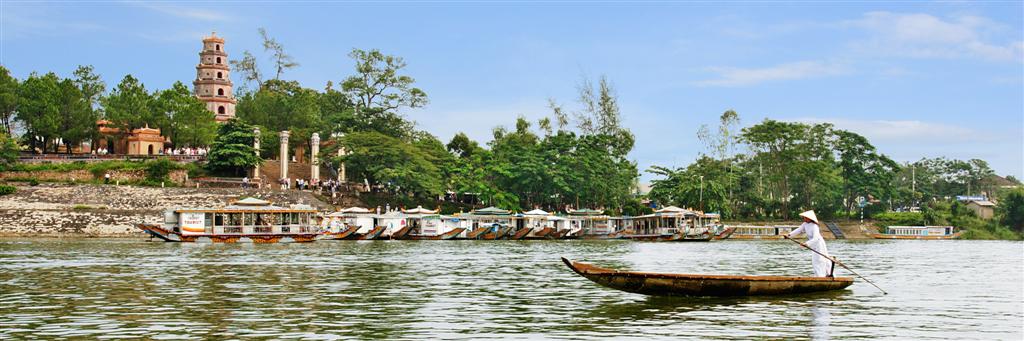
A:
(127, 288)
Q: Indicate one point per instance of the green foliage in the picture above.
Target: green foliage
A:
(378, 84)
(157, 170)
(232, 151)
(899, 219)
(1010, 209)
(7, 189)
(8, 100)
(33, 182)
(8, 151)
(278, 106)
(188, 122)
(130, 106)
(401, 166)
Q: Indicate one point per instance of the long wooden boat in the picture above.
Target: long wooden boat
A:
(521, 233)
(248, 220)
(557, 234)
(542, 234)
(454, 233)
(502, 233)
(346, 234)
(892, 236)
(402, 233)
(663, 284)
(573, 235)
(477, 232)
(373, 234)
(726, 233)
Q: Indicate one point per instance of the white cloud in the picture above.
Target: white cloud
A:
(926, 36)
(732, 76)
(182, 12)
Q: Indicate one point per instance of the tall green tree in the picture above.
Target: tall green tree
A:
(129, 106)
(279, 106)
(8, 151)
(232, 150)
(282, 60)
(76, 119)
(400, 166)
(379, 84)
(190, 124)
(39, 109)
(8, 100)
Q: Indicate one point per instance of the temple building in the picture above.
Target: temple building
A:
(213, 83)
(140, 141)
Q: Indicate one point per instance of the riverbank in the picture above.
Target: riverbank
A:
(86, 210)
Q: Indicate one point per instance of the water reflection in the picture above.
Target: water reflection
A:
(481, 289)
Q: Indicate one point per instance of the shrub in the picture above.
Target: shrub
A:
(900, 218)
(33, 182)
(7, 189)
(157, 170)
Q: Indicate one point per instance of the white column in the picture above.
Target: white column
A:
(256, 144)
(313, 151)
(284, 155)
(341, 169)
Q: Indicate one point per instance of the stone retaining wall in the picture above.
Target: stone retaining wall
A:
(177, 176)
(113, 211)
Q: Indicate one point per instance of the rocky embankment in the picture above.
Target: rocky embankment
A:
(57, 210)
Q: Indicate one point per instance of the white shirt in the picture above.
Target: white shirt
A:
(811, 229)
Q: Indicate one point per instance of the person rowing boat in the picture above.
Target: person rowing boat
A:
(820, 260)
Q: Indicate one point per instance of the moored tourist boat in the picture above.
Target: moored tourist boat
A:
(453, 234)
(248, 220)
(918, 232)
(373, 234)
(759, 232)
(520, 233)
(665, 284)
(671, 224)
(345, 234)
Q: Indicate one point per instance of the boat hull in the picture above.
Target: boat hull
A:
(373, 234)
(890, 236)
(658, 284)
(171, 236)
(445, 236)
(347, 234)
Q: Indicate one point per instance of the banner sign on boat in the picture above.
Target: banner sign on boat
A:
(192, 222)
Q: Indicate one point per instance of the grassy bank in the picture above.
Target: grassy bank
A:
(949, 214)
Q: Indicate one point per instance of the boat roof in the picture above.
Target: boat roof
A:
(537, 212)
(354, 209)
(490, 211)
(419, 210)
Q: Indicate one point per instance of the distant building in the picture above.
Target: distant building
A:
(213, 82)
(984, 209)
(141, 141)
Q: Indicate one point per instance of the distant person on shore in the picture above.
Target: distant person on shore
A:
(822, 266)
(245, 182)
(106, 178)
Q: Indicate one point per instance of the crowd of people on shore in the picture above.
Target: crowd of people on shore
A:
(315, 185)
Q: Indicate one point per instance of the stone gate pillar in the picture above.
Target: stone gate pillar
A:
(284, 155)
(341, 169)
(314, 172)
(256, 144)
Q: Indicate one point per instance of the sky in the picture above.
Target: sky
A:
(919, 79)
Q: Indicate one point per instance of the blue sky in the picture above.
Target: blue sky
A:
(918, 79)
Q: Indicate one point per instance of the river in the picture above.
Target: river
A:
(130, 288)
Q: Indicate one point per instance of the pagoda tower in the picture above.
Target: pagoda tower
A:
(213, 83)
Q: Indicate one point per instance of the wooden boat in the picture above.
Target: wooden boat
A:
(613, 235)
(502, 233)
(542, 234)
(521, 233)
(726, 233)
(918, 232)
(248, 220)
(346, 234)
(402, 233)
(573, 235)
(557, 234)
(445, 236)
(373, 234)
(663, 284)
(477, 233)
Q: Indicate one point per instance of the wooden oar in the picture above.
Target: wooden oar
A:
(836, 261)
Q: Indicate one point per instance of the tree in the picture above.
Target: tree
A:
(282, 105)
(282, 60)
(864, 172)
(248, 69)
(462, 145)
(232, 151)
(76, 119)
(38, 109)
(90, 85)
(8, 100)
(129, 106)
(1010, 209)
(8, 151)
(190, 123)
(378, 84)
(400, 166)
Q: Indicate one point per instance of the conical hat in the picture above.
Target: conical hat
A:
(810, 215)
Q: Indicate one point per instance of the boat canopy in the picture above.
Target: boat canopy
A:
(250, 201)
(537, 212)
(354, 209)
(419, 210)
(491, 211)
(585, 211)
